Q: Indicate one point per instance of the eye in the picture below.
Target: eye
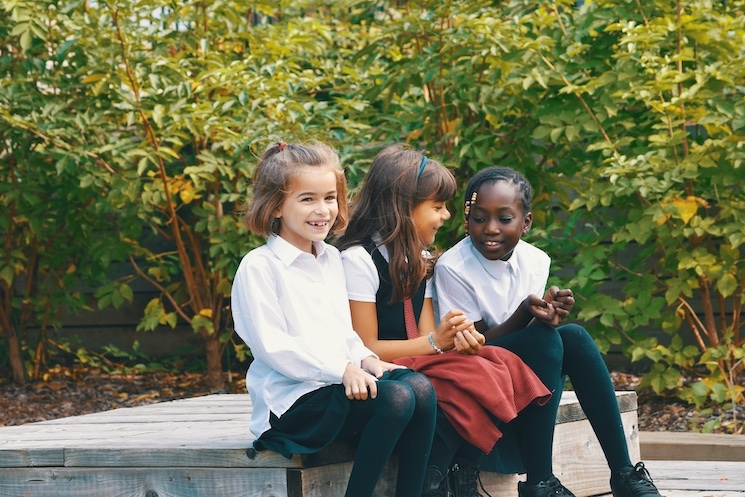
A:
(331, 198)
(477, 219)
(505, 220)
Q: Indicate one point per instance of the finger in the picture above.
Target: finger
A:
(470, 343)
(361, 393)
(372, 388)
(470, 339)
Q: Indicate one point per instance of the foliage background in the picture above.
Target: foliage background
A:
(129, 130)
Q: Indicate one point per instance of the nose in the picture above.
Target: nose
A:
(322, 208)
(492, 226)
(446, 214)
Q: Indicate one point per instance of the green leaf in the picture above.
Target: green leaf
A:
(727, 285)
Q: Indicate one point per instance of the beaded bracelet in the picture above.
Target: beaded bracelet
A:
(433, 344)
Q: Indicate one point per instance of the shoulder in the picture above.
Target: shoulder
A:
(260, 264)
(258, 257)
(357, 255)
(457, 256)
(530, 252)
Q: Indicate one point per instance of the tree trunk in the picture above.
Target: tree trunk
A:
(14, 356)
(213, 350)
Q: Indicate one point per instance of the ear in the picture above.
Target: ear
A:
(527, 222)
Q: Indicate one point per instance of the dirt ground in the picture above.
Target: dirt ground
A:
(71, 393)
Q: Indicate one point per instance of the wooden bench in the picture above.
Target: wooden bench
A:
(202, 447)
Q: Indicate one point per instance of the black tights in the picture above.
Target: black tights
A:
(402, 416)
(568, 350)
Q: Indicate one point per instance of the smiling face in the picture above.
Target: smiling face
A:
(428, 217)
(496, 221)
(310, 207)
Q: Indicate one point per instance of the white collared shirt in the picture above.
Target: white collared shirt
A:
(292, 311)
(489, 291)
(363, 280)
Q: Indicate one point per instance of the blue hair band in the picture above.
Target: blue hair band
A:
(422, 166)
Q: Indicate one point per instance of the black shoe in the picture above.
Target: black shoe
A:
(633, 482)
(551, 487)
(436, 484)
(464, 478)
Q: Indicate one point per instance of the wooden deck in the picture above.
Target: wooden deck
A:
(202, 447)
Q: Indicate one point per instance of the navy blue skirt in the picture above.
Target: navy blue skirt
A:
(314, 421)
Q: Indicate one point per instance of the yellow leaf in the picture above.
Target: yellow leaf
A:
(686, 207)
(451, 125)
(92, 78)
(206, 313)
(187, 192)
(414, 135)
(662, 219)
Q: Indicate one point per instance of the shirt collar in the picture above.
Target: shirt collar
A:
(498, 268)
(288, 253)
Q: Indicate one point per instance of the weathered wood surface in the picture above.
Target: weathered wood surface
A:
(667, 445)
(700, 476)
(201, 446)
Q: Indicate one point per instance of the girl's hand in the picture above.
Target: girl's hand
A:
(376, 367)
(451, 324)
(562, 300)
(469, 341)
(358, 383)
(542, 310)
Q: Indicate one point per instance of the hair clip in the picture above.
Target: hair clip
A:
(422, 165)
(281, 145)
(467, 209)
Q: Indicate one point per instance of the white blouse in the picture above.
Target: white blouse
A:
(363, 280)
(489, 291)
(292, 311)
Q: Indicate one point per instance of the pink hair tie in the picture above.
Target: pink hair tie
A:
(281, 146)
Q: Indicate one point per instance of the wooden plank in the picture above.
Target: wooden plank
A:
(698, 475)
(29, 457)
(331, 481)
(699, 493)
(176, 457)
(692, 446)
(570, 410)
(143, 482)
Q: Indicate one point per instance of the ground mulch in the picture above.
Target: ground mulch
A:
(72, 392)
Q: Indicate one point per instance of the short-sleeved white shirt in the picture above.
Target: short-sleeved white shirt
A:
(489, 291)
(291, 309)
(362, 276)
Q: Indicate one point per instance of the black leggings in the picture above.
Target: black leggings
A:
(402, 416)
(553, 353)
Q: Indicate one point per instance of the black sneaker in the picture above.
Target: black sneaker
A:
(551, 487)
(436, 484)
(633, 482)
(464, 479)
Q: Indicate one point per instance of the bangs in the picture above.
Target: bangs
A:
(442, 184)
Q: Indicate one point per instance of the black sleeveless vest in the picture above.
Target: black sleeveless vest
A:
(391, 324)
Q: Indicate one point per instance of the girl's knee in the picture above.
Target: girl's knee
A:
(578, 344)
(575, 335)
(551, 343)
